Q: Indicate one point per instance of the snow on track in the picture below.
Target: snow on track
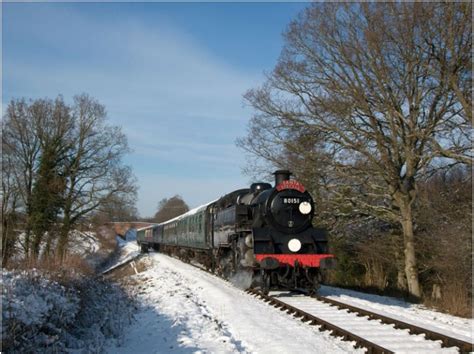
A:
(456, 327)
(384, 335)
(186, 310)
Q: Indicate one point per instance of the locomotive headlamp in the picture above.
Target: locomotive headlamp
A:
(305, 208)
(294, 245)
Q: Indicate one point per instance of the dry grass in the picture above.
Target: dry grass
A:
(455, 301)
(54, 265)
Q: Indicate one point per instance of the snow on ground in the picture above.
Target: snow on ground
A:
(461, 328)
(384, 335)
(54, 312)
(127, 251)
(83, 243)
(186, 310)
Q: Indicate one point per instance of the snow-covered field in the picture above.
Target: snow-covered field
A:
(184, 309)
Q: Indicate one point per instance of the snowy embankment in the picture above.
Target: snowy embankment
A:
(127, 250)
(457, 327)
(48, 312)
(64, 309)
(187, 310)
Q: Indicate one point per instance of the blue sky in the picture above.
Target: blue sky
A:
(171, 74)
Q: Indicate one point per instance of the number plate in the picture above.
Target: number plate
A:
(291, 200)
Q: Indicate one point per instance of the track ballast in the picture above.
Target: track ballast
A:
(377, 333)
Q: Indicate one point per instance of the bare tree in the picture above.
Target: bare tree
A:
(10, 201)
(370, 79)
(53, 130)
(21, 151)
(449, 48)
(64, 161)
(120, 207)
(94, 169)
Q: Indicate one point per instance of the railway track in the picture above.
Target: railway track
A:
(121, 265)
(465, 347)
(376, 332)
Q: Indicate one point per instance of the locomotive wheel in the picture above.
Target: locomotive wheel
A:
(266, 283)
(312, 281)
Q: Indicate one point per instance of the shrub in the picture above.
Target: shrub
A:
(57, 312)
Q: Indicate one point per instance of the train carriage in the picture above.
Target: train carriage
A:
(149, 236)
(188, 229)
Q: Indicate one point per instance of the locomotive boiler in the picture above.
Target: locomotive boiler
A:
(263, 231)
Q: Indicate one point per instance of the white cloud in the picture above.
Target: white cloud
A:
(175, 100)
(153, 69)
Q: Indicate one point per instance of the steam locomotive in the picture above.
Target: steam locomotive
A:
(264, 232)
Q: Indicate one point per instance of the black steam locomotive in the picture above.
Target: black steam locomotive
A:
(265, 232)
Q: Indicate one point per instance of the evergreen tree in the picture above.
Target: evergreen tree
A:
(47, 198)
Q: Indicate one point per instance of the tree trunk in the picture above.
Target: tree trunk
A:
(62, 243)
(47, 248)
(35, 247)
(401, 278)
(411, 270)
(27, 245)
(400, 262)
(63, 237)
(7, 243)
(27, 241)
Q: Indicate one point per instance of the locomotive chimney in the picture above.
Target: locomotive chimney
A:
(281, 175)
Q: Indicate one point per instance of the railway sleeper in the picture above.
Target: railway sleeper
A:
(446, 341)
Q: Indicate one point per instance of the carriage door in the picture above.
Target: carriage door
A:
(210, 226)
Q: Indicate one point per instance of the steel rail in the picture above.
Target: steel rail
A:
(121, 265)
(447, 341)
(372, 348)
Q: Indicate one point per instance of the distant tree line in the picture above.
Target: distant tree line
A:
(168, 208)
(61, 164)
(370, 104)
